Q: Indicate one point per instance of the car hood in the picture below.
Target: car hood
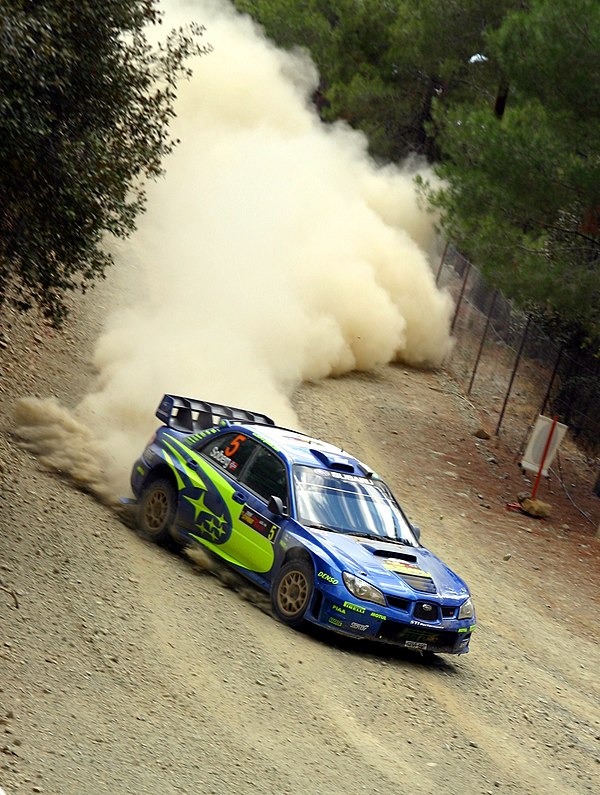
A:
(392, 567)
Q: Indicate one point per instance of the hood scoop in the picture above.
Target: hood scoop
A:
(422, 584)
(405, 566)
(393, 555)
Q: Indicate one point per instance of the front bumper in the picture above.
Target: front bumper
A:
(344, 613)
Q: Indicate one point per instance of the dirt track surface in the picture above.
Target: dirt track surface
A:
(125, 670)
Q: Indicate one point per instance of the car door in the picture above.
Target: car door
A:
(264, 476)
(220, 511)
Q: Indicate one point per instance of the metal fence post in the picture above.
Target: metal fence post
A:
(552, 377)
(442, 262)
(514, 373)
(481, 344)
(460, 297)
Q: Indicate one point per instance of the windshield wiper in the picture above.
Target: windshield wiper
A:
(323, 527)
(378, 538)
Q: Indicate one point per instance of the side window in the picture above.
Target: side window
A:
(229, 452)
(266, 476)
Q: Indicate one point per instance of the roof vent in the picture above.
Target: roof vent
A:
(333, 461)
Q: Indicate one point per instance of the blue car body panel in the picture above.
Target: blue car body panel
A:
(219, 508)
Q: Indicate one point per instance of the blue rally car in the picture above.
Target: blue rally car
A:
(301, 519)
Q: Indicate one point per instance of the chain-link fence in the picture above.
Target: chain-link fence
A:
(511, 367)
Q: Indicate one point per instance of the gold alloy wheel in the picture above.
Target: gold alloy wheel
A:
(156, 510)
(293, 593)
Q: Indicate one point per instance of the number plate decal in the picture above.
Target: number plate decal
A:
(413, 644)
(259, 523)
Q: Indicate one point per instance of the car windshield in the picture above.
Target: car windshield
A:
(349, 504)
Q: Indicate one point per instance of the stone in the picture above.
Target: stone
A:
(536, 508)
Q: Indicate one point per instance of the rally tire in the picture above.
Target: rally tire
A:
(157, 512)
(292, 591)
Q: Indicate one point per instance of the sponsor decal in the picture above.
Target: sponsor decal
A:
(338, 609)
(336, 622)
(356, 608)
(346, 476)
(220, 457)
(378, 615)
(361, 627)
(416, 623)
(403, 567)
(259, 523)
(140, 470)
(324, 576)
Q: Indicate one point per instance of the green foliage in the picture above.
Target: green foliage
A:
(85, 104)
(522, 193)
(293, 23)
(382, 62)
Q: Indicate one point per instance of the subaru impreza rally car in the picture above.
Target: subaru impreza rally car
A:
(303, 520)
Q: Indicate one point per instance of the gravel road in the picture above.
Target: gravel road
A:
(125, 669)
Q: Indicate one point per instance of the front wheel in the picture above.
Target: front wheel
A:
(157, 512)
(292, 591)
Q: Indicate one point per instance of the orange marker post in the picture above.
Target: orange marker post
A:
(544, 456)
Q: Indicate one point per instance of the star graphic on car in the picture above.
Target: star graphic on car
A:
(199, 504)
(214, 524)
(214, 527)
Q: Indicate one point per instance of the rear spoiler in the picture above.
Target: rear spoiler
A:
(189, 415)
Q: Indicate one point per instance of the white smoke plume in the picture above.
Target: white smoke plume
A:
(274, 251)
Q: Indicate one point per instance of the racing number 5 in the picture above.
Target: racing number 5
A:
(232, 449)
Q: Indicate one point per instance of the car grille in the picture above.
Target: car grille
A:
(426, 611)
(397, 602)
(421, 610)
(394, 632)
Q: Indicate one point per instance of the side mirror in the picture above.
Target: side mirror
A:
(276, 506)
(416, 532)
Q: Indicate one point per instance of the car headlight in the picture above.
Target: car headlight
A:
(466, 609)
(362, 589)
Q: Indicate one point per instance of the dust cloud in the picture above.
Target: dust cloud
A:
(274, 251)
(205, 563)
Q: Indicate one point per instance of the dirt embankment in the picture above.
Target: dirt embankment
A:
(123, 670)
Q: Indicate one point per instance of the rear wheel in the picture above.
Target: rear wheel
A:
(292, 591)
(157, 512)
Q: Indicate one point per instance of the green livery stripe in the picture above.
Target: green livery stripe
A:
(169, 460)
(245, 547)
